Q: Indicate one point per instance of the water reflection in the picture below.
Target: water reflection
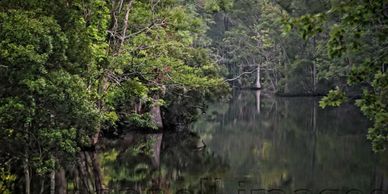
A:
(159, 163)
(290, 143)
(253, 142)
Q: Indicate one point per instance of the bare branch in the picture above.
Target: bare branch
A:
(237, 77)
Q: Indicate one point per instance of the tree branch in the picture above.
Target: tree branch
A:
(237, 77)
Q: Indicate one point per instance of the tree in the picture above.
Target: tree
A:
(253, 38)
(46, 112)
(74, 68)
(356, 45)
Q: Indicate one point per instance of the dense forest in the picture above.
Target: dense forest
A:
(74, 72)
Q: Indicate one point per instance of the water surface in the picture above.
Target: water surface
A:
(252, 142)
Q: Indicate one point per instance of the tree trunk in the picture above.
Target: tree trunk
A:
(83, 175)
(157, 148)
(314, 71)
(102, 87)
(138, 108)
(124, 33)
(98, 178)
(156, 114)
(240, 71)
(258, 103)
(60, 181)
(314, 78)
(89, 171)
(77, 182)
(42, 185)
(258, 84)
(52, 182)
(286, 90)
(27, 177)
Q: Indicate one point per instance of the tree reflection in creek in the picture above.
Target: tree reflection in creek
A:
(169, 162)
(253, 142)
(291, 143)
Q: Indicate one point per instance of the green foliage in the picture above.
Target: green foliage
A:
(6, 179)
(356, 44)
(143, 121)
(334, 98)
(307, 25)
(308, 47)
(166, 51)
(218, 5)
(73, 68)
(262, 34)
(47, 108)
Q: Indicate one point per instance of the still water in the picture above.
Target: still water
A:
(252, 144)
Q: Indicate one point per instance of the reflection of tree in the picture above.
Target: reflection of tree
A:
(129, 164)
(183, 162)
(186, 161)
(291, 143)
